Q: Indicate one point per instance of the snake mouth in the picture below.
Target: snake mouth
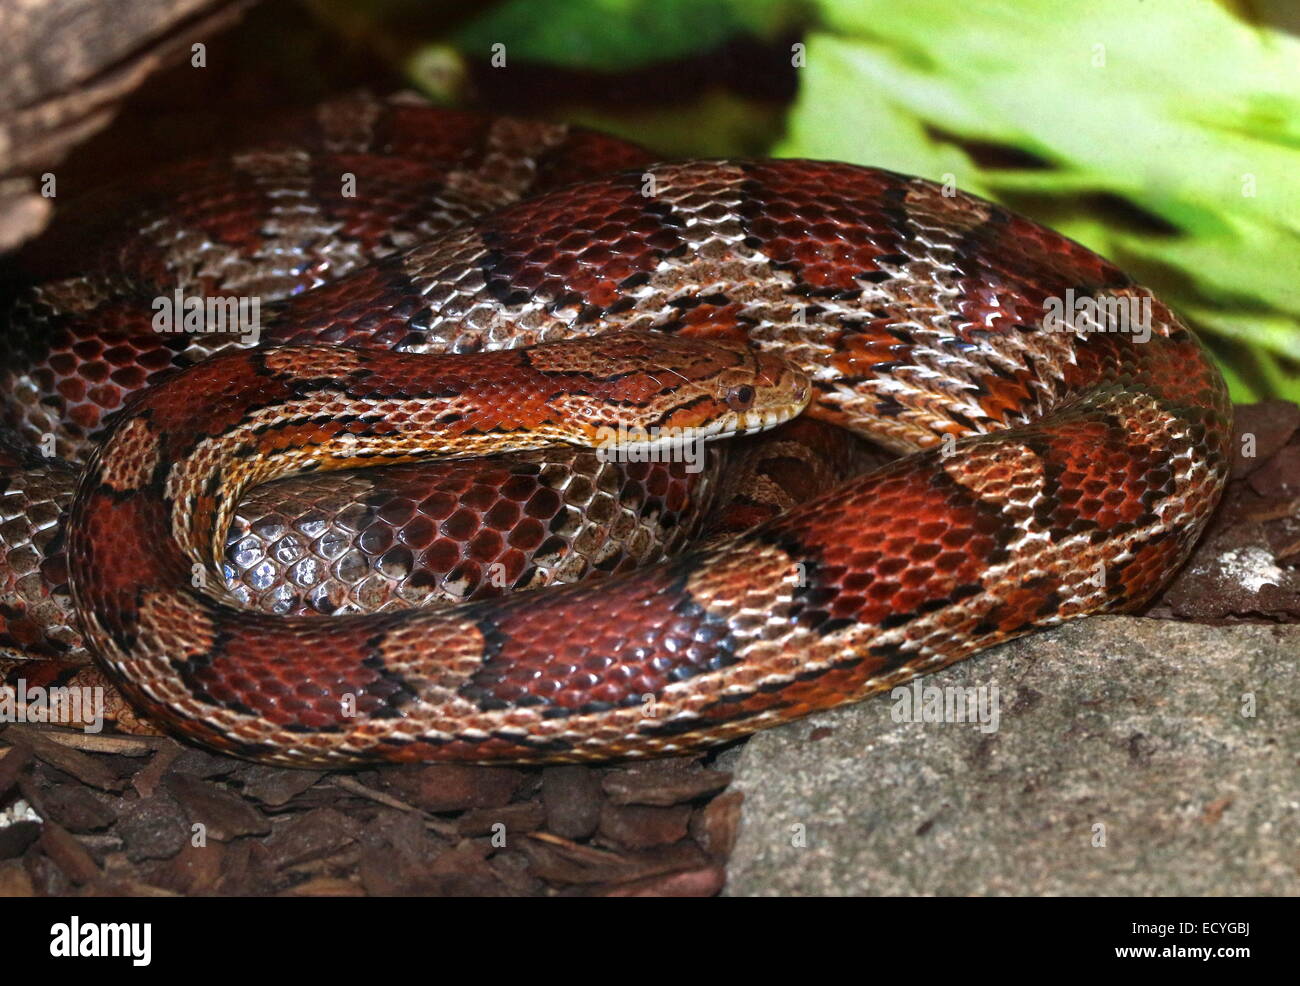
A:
(667, 443)
(747, 422)
(753, 422)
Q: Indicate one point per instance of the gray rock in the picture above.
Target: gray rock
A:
(1126, 731)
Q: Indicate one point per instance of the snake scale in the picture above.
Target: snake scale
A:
(500, 284)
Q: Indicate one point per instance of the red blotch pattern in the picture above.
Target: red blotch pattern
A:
(828, 222)
(550, 652)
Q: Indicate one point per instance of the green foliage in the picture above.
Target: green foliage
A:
(1175, 108)
(615, 35)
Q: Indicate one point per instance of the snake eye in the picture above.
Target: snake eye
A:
(740, 398)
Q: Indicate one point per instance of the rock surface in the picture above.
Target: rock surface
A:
(1125, 761)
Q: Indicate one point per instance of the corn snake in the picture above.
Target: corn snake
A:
(1036, 457)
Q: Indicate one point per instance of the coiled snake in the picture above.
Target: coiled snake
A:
(1052, 467)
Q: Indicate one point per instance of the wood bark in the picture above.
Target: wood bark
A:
(65, 67)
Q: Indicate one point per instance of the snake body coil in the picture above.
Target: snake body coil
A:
(1053, 468)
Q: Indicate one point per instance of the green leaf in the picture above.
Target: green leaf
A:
(1177, 109)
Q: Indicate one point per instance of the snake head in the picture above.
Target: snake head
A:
(646, 388)
(761, 390)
